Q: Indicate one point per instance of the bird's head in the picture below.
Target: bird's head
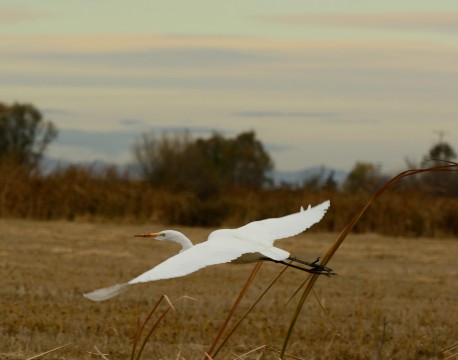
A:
(170, 236)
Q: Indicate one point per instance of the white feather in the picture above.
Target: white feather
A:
(107, 293)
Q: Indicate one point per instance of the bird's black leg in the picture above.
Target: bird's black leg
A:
(313, 265)
(320, 270)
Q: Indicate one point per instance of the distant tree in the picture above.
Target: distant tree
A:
(160, 159)
(363, 176)
(313, 182)
(321, 180)
(24, 134)
(441, 152)
(203, 165)
(330, 183)
(440, 183)
(251, 161)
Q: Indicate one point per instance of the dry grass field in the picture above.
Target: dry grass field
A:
(393, 298)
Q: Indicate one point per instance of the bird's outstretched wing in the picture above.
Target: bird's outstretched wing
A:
(183, 263)
(191, 260)
(269, 230)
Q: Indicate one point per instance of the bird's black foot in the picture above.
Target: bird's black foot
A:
(321, 270)
(315, 268)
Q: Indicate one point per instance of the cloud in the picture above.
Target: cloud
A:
(286, 114)
(196, 131)
(112, 146)
(132, 122)
(122, 43)
(121, 55)
(103, 142)
(56, 112)
(324, 116)
(13, 15)
(206, 62)
(447, 22)
(276, 147)
(182, 58)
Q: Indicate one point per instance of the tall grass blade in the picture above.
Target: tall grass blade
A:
(99, 353)
(234, 308)
(237, 324)
(140, 329)
(48, 352)
(442, 355)
(382, 340)
(156, 324)
(450, 166)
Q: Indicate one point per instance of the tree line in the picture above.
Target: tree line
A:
(194, 181)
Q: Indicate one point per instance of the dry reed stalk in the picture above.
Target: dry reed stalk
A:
(264, 349)
(142, 326)
(442, 355)
(48, 352)
(235, 327)
(451, 166)
(382, 340)
(99, 353)
(139, 332)
(233, 309)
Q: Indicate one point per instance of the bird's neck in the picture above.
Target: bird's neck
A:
(184, 242)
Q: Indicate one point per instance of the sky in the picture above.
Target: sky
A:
(322, 83)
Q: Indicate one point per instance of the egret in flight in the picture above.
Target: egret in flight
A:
(249, 243)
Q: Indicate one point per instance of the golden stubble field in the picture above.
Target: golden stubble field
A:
(393, 298)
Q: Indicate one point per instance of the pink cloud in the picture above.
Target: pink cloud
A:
(12, 15)
(397, 21)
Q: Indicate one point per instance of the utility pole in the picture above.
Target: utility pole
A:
(441, 134)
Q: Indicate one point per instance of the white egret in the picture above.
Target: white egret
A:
(249, 243)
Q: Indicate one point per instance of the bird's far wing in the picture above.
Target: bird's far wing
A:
(191, 260)
(269, 230)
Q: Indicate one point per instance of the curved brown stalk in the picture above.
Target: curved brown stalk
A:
(450, 166)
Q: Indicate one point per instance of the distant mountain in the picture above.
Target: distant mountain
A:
(297, 178)
(48, 165)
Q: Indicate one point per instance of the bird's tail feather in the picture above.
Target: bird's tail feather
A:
(107, 293)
